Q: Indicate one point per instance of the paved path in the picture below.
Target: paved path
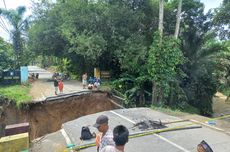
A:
(43, 87)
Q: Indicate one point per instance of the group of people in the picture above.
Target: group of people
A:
(110, 141)
(33, 76)
(58, 85)
(114, 141)
(92, 83)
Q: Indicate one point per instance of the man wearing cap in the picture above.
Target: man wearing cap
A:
(107, 135)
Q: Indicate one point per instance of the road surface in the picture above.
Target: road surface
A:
(43, 87)
(173, 141)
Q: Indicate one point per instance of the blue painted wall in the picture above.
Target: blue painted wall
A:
(24, 74)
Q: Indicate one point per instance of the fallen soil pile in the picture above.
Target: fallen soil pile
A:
(48, 116)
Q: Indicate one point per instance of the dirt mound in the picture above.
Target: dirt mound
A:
(46, 117)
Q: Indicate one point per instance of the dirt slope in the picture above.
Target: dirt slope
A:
(47, 117)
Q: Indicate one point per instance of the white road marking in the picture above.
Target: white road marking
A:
(157, 135)
(133, 122)
(172, 143)
(68, 141)
(65, 136)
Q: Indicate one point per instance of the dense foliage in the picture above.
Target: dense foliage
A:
(118, 36)
(6, 52)
(222, 18)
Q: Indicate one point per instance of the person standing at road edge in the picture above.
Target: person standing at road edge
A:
(84, 80)
(60, 86)
(107, 135)
(55, 85)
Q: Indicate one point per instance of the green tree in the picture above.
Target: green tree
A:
(164, 57)
(5, 55)
(201, 80)
(222, 19)
(20, 25)
(91, 34)
(198, 79)
(117, 35)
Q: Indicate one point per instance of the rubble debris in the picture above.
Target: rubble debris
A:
(149, 125)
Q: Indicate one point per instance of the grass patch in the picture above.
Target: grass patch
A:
(226, 91)
(17, 93)
(106, 85)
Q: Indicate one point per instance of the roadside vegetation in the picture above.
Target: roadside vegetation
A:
(226, 91)
(158, 52)
(176, 111)
(16, 93)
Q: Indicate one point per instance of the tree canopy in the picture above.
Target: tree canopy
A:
(19, 26)
(6, 52)
(121, 36)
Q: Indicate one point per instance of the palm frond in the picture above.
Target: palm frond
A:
(211, 49)
(21, 10)
(24, 25)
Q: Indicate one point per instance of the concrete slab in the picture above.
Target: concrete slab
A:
(138, 114)
(73, 128)
(154, 144)
(49, 143)
(176, 141)
(14, 143)
(16, 129)
(189, 138)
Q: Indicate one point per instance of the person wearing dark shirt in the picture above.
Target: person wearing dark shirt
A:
(55, 85)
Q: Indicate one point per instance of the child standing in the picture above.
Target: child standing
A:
(60, 86)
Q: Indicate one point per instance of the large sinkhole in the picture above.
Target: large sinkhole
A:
(48, 116)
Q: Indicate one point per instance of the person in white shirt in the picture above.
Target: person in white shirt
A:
(107, 134)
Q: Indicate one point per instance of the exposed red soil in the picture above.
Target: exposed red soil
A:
(47, 117)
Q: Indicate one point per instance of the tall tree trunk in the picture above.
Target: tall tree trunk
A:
(156, 89)
(161, 17)
(177, 28)
(178, 19)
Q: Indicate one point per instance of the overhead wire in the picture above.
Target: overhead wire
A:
(2, 23)
(2, 26)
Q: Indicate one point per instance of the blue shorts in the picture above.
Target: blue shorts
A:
(84, 82)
